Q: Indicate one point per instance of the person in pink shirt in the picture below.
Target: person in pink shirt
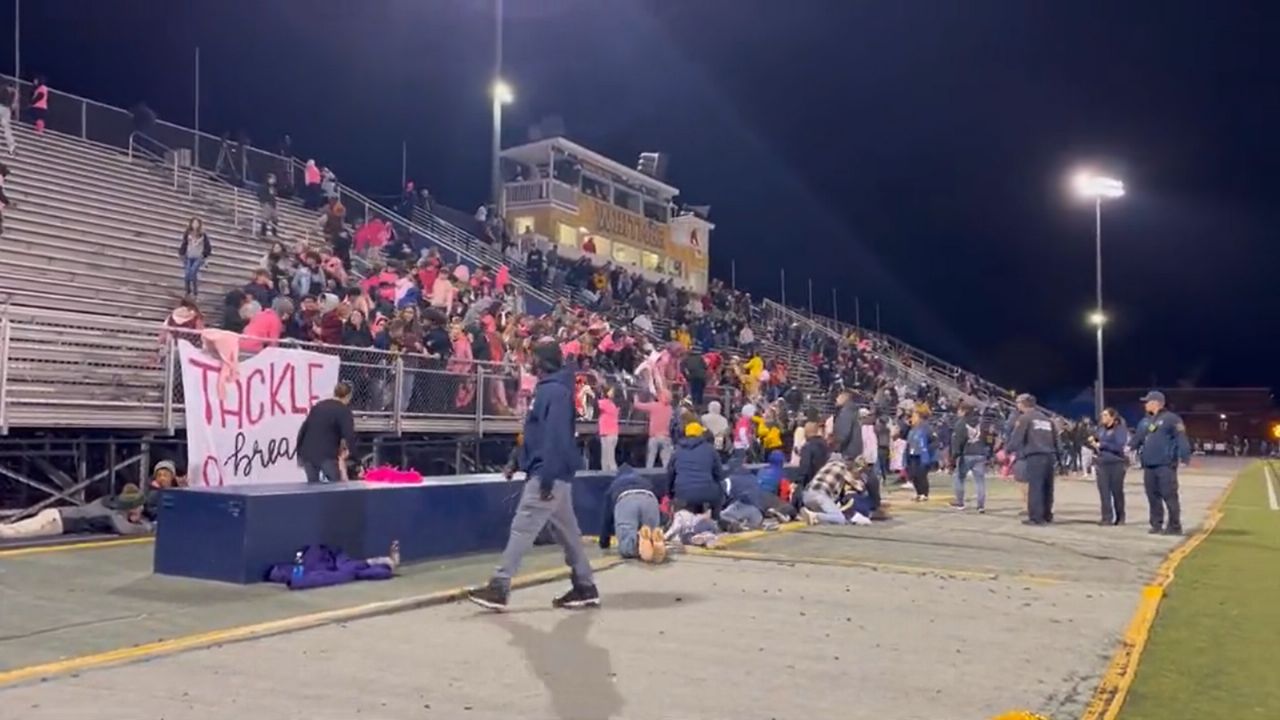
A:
(659, 411)
(608, 430)
(443, 292)
(265, 328)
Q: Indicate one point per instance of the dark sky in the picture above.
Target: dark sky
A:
(910, 153)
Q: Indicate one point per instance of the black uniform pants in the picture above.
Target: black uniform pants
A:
(1111, 491)
(1161, 484)
(918, 474)
(1039, 471)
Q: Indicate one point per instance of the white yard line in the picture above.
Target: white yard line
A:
(1271, 488)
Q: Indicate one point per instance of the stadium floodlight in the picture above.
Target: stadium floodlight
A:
(1096, 187)
(1092, 186)
(502, 92)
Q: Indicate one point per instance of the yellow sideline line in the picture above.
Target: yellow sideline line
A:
(264, 629)
(1112, 690)
(91, 545)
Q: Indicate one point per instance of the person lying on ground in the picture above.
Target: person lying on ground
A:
(631, 511)
(164, 476)
(120, 514)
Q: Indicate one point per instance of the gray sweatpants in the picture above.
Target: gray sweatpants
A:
(634, 510)
(531, 515)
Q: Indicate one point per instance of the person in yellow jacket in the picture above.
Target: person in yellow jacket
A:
(769, 432)
(751, 375)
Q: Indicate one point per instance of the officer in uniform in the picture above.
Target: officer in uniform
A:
(1035, 441)
(1161, 441)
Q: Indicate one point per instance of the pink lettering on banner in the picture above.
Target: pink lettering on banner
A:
(247, 432)
(312, 370)
(211, 462)
(206, 371)
(248, 398)
(277, 382)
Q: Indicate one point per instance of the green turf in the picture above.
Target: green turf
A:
(1214, 648)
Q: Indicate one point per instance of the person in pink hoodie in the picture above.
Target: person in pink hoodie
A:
(659, 411)
(265, 328)
(608, 430)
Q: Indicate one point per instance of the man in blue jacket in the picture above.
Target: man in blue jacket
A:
(1161, 441)
(549, 457)
(695, 475)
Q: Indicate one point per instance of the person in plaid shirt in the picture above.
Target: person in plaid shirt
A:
(822, 495)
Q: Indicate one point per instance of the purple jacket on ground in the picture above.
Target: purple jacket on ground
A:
(324, 566)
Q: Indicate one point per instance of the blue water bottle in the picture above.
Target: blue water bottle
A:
(297, 569)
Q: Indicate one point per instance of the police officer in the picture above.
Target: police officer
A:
(1036, 443)
(1161, 441)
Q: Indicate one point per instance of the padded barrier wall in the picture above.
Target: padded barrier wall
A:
(234, 534)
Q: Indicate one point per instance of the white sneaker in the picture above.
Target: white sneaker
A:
(860, 519)
(809, 517)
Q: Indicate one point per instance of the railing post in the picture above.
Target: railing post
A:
(170, 350)
(131, 147)
(175, 170)
(84, 120)
(5, 334)
(398, 386)
(235, 202)
(479, 400)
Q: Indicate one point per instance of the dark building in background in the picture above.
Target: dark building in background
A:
(1211, 414)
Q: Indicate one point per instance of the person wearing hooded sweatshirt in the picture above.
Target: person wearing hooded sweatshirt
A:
(717, 425)
(744, 432)
(660, 413)
(745, 510)
(631, 511)
(695, 475)
(120, 514)
(770, 476)
(971, 444)
(550, 458)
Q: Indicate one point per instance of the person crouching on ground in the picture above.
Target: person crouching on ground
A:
(695, 475)
(631, 511)
(116, 515)
(549, 457)
(822, 495)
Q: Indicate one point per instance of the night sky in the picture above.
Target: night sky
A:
(910, 153)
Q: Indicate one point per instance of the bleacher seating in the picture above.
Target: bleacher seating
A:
(97, 232)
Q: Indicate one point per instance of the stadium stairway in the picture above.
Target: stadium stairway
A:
(94, 231)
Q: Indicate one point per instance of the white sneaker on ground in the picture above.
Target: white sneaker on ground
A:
(860, 519)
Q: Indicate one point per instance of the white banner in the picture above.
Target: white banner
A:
(243, 429)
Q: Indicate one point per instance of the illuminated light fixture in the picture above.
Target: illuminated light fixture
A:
(502, 92)
(1097, 318)
(1091, 186)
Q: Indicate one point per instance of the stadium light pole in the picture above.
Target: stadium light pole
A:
(502, 95)
(1097, 188)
